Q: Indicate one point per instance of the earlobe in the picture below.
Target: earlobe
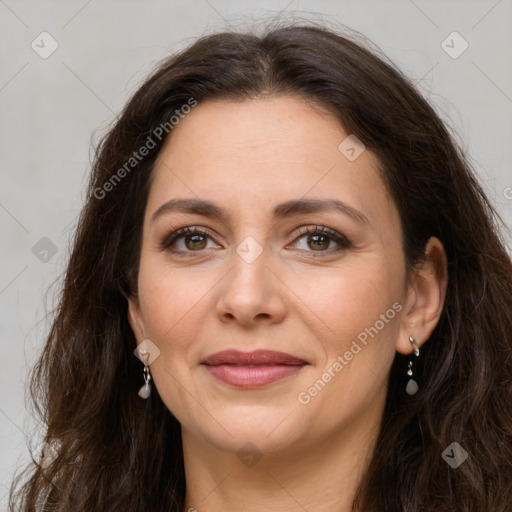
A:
(426, 297)
(135, 317)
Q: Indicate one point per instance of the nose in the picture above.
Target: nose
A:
(251, 293)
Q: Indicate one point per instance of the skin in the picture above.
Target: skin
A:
(248, 157)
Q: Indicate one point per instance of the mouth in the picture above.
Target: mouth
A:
(251, 370)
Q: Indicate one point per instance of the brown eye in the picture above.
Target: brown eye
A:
(319, 238)
(185, 241)
(318, 241)
(194, 242)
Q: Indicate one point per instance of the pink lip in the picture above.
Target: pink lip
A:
(252, 369)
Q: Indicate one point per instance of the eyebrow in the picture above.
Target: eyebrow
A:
(288, 208)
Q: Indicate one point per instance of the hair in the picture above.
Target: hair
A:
(113, 451)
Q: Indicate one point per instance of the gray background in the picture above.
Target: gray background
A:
(51, 110)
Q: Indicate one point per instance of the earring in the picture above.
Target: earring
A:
(145, 390)
(412, 385)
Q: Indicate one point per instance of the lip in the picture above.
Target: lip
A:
(257, 357)
(251, 370)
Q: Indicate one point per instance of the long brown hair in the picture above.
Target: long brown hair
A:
(113, 451)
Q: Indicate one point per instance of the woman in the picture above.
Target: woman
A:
(287, 291)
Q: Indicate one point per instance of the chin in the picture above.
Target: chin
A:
(266, 428)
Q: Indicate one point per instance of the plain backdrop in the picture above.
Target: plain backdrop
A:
(54, 105)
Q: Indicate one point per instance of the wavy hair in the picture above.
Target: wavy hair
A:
(113, 451)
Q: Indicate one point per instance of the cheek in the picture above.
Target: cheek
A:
(361, 310)
(175, 305)
(353, 297)
(357, 309)
(173, 312)
(169, 303)
(338, 303)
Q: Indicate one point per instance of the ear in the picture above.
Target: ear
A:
(425, 297)
(135, 318)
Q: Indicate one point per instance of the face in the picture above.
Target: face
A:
(301, 254)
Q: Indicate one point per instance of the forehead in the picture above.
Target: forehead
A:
(286, 129)
(257, 153)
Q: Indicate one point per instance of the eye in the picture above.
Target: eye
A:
(186, 240)
(319, 238)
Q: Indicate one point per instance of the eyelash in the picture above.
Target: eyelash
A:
(341, 240)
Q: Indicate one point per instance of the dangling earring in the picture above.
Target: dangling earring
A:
(412, 385)
(145, 390)
(146, 352)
